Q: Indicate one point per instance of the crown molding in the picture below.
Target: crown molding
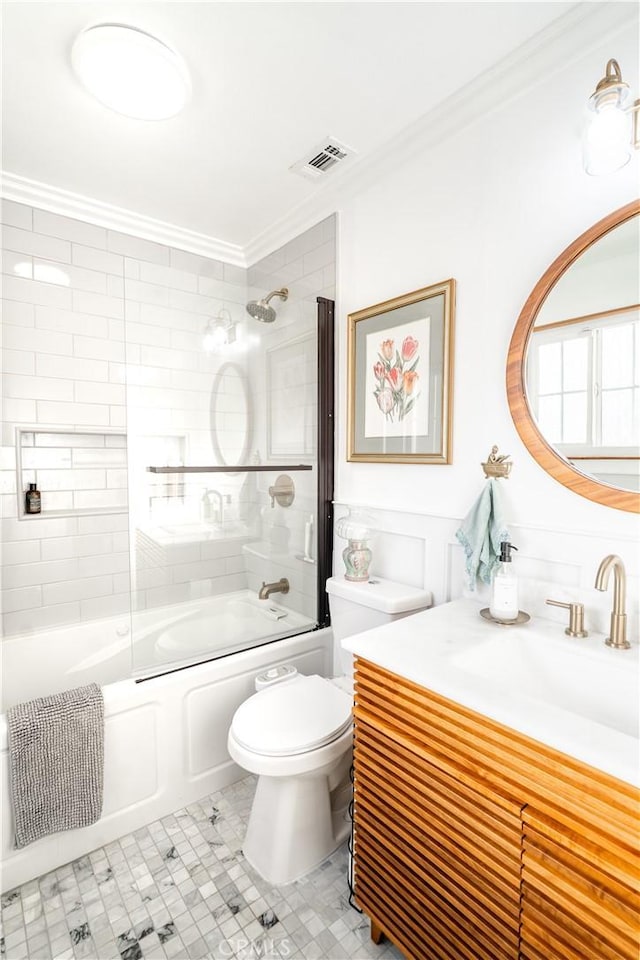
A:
(586, 24)
(68, 204)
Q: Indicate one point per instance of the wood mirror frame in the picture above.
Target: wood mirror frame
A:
(539, 448)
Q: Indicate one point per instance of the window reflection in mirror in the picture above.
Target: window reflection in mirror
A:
(583, 361)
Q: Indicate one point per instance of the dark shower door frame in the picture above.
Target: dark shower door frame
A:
(326, 448)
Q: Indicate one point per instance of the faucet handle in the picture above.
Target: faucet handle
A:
(576, 617)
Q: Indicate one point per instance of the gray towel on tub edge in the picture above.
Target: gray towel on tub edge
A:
(56, 762)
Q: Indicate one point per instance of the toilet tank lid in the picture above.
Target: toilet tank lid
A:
(379, 594)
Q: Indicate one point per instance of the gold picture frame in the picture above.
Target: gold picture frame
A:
(400, 378)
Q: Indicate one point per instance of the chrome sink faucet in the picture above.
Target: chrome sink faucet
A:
(618, 636)
(280, 586)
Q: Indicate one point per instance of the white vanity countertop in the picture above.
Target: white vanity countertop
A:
(576, 695)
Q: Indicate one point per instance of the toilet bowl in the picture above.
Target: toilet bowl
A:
(296, 736)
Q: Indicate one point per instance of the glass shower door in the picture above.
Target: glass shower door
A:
(215, 425)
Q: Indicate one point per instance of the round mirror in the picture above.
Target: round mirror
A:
(231, 416)
(573, 371)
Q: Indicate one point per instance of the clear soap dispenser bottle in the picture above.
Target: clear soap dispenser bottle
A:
(504, 590)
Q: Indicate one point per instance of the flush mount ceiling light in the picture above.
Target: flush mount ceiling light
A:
(612, 128)
(131, 71)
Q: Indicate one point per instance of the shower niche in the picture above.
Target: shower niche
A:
(78, 472)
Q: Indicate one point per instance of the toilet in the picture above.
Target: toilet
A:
(295, 734)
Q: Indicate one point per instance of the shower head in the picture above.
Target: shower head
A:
(260, 309)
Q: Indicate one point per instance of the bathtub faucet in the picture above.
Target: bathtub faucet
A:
(280, 586)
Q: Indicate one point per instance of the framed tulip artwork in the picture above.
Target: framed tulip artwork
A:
(400, 378)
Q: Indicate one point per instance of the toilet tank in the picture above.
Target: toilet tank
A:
(361, 606)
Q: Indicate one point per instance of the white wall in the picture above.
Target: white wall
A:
(491, 206)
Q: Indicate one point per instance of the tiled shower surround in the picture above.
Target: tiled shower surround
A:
(181, 888)
(103, 333)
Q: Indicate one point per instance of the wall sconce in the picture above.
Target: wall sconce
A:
(612, 129)
(219, 332)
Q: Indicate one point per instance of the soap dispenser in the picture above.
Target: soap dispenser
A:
(504, 590)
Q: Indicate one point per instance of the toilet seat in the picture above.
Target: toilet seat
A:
(292, 718)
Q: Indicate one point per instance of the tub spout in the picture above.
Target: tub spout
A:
(280, 586)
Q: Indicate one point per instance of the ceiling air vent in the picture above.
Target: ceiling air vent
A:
(323, 158)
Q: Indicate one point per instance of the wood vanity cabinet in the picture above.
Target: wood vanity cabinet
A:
(474, 842)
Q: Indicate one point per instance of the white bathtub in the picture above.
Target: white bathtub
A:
(165, 738)
(146, 643)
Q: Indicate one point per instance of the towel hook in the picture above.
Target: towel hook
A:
(497, 465)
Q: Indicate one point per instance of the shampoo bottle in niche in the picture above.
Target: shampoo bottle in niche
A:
(504, 590)
(32, 499)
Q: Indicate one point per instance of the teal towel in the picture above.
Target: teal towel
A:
(481, 533)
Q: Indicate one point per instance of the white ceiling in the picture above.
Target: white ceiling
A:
(270, 80)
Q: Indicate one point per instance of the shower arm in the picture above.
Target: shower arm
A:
(283, 294)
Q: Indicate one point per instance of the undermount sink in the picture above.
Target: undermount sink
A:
(591, 681)
(576, 695)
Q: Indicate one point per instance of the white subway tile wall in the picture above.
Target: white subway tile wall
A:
(58, 290)
(102, 334)
(286, 373)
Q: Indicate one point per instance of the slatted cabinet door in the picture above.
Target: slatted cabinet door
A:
(580, 892)
(437, 860)
(475, 841)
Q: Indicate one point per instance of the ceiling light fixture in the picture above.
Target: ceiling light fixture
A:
(219, 332)
(612, 129)
(130, 71)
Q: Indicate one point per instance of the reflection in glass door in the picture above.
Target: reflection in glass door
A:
(226, 466)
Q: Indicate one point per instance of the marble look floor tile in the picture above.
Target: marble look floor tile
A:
(180, 889)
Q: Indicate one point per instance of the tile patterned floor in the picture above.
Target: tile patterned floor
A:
(180, 889)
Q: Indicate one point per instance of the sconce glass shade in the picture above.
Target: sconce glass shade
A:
(607, 136)
(219, 332)
(130, 71)
(355, 525)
